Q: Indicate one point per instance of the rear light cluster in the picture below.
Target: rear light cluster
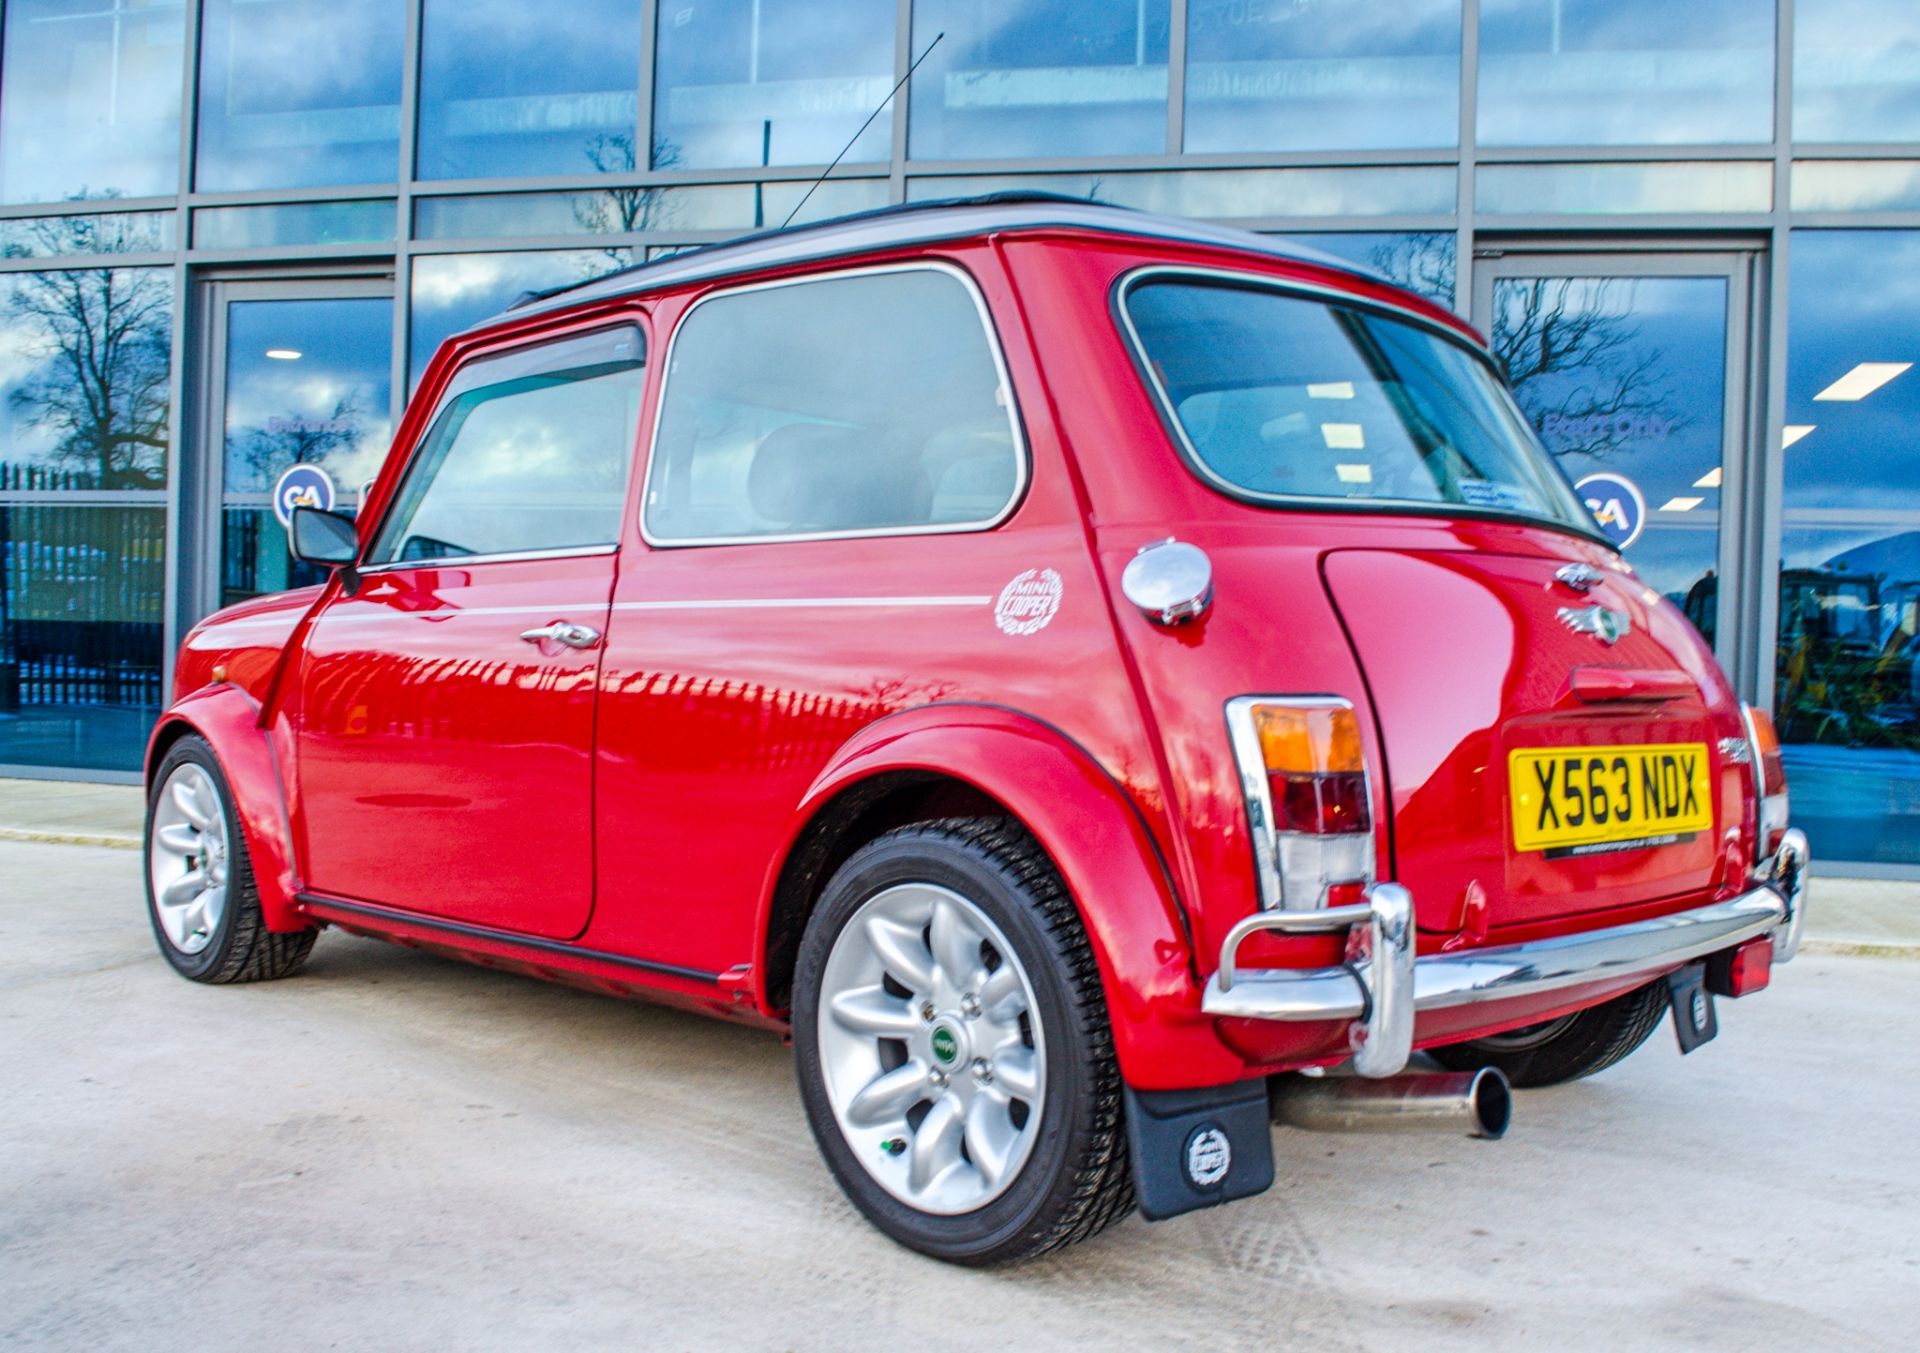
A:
(1769, 780)
(1304, 774)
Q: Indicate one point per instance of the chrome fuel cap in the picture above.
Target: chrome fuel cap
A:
(1170, 581)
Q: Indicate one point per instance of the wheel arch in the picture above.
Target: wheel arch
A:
(228, 719)
(949, 760)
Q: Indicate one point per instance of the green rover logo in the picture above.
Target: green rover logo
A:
(945, 1046)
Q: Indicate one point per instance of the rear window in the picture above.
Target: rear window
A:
(1283, 397)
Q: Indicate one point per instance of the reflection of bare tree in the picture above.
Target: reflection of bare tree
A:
(101, 341)
(1576, 360)
(625, 210)
(1421, 262)
(267, 451)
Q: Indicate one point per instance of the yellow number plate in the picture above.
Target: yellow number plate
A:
(1585, 800)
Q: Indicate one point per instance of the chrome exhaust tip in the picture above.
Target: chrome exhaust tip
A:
(1478, 1103)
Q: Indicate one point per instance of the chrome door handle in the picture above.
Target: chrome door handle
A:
(564, 632)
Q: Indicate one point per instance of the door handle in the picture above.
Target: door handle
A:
(564, 632)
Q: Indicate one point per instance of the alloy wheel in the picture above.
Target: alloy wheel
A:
(931, 1048)
(187, 858)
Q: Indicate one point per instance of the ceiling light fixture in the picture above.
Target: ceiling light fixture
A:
(1709, 480)
(1793, 432)
(1681, 504)
(285, 354)
(1862, 381)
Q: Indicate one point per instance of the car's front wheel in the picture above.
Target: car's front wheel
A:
(200, 889)
(952, 1046)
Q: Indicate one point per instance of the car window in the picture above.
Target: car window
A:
(1281, 397)
(529, 451)
(847, 405)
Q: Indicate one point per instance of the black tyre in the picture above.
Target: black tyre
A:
(201, 896)
(1567, 1048)
(952, 1046)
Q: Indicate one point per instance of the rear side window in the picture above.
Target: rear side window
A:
(529, 452)
(857, 404)
(1284, 397)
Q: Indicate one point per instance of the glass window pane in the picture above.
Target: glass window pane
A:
(530, 451)
(752, 82)
(1290, 399)
(1848, 663)
(1856, 185)
(1625, 72)
(508, 88)
(81, 588)
(129, 232)
(1340, 75)
(90, 99)
(1039, 78)
(599, 211)
(297, 223)
(84, 388)
(1856, 70)
(1623, 189)
(902, 421)
(299, 93)
(1229, 194)
(452, 292)
(1421, 261)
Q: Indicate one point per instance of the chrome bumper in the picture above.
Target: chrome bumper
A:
(1384, 985)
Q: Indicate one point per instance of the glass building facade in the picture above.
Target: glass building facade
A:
(233, 231)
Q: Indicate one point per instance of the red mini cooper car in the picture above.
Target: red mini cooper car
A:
(1071, 669)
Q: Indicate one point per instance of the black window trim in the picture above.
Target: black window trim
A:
(1300, 502)
(1022, 454)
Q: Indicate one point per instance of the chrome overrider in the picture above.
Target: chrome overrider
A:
(1384, 985)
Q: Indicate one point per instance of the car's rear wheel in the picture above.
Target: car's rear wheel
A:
(952, 1046)
(1568, 1048)
(201, 896)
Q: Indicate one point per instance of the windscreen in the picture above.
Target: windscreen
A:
(1282, 397)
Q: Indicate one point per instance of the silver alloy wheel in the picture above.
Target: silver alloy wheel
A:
(931, 1049)
(187, 858)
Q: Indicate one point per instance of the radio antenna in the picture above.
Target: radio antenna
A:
(863, 130)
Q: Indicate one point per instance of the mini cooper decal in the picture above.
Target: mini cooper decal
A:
(1605, 625)
(1209, 1155)
(1029, 602)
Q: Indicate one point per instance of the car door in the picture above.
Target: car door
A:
(445, 713)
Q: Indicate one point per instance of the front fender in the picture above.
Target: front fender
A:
(252, 756)
(1092, 829)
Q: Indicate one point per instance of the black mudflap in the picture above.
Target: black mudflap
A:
(1198, 1148)
(1693, 1018)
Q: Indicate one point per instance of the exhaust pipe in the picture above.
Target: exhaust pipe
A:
(1479, 1103)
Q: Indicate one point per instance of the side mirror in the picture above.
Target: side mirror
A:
(324, 538)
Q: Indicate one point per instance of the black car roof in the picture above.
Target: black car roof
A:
(912, 223)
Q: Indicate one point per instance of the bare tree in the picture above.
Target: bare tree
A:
(267, 451)
(1577, 361)
(102, 340)
(624, 210)
(1419, 261)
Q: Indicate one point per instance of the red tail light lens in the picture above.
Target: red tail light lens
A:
(1326, 804)
(1770, 781)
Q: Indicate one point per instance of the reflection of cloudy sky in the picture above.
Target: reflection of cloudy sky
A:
(1625, 72)
(344, 347)
(1854, 297)
(1322, 74)
(1854, 70)
(1040, 78)
(452, 292)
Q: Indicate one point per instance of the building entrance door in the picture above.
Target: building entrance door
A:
(1633, 368)
(299, 374)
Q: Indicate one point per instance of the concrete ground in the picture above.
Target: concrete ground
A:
(396, 1152)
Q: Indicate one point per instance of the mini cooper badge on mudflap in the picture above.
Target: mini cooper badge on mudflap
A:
(1209, 1156)
(1605, 625)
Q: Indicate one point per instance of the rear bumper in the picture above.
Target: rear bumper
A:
(1385, 986)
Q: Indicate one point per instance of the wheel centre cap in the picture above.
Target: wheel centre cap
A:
(947, 1044)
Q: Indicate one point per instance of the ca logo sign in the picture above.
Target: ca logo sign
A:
(1616, 505)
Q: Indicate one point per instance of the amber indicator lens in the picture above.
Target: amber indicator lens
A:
(1315, 769)
(1766, 750)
